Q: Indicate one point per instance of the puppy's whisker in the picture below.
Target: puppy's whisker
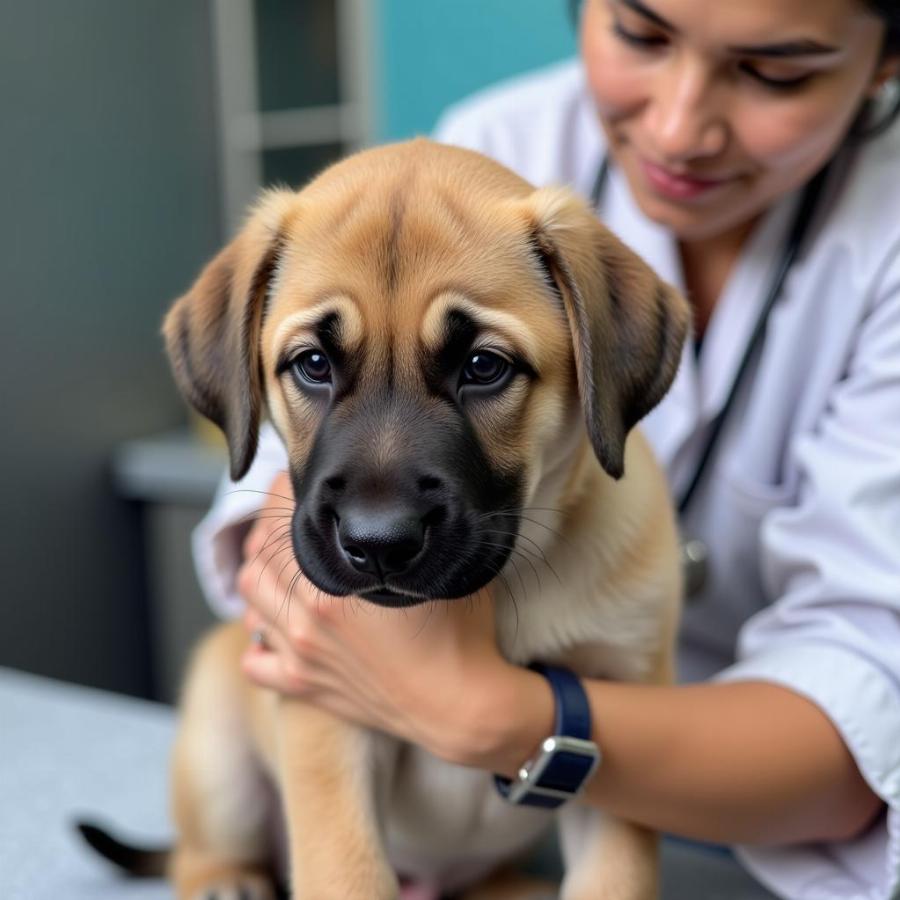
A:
(518, 510)
(531, 564)
(272, 512)
(534, 571)
(264, 493)
(521, 552)
(274, 546)
(288, 594)
(320, 598)
(522, 537)
(427, 620)
(281, 546)
(517, 513)
(512, 600)
(266, 543)
(538, 554)
(281, 570)
(483, 543)
(348, 602)
(284, 602)
(555, 532)
(498, 573)
(510, 513)
(277, 535)
(282, 535)
(319, 595)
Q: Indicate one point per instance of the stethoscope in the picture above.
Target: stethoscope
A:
(694, 551)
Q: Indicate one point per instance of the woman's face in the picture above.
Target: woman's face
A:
(714, 110)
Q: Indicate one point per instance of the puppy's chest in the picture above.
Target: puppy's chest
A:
(597, 635)
(447, 823)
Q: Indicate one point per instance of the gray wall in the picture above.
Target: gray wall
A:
(108, 206)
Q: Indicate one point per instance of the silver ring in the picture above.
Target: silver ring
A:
(259, 638)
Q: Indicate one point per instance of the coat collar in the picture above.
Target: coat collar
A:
(701, 387)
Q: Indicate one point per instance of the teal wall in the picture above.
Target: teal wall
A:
(432, 52)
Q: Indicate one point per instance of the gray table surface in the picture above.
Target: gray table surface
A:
(67, 751)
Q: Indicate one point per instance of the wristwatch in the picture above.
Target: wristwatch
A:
(567, 759)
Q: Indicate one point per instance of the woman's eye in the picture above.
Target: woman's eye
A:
(313, 367)
(484, 367)
(778, 84)
(636, 39)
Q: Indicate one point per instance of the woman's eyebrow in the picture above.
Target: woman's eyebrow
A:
(648, 13)
(786, 48)
(805, 47)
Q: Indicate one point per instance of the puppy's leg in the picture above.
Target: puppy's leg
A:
(326, 771)
(606, 858)
(222, 801)
(508, 884)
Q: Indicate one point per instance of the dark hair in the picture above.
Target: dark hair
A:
(870, 121)
(889, 10)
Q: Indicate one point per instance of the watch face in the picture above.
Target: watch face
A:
(559, 771)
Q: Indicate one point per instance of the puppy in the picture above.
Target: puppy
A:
(455, 362)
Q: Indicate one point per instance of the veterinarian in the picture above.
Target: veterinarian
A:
(748, 152)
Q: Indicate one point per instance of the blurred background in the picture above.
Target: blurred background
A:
(133, 136)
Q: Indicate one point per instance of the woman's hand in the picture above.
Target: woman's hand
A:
(430, 674)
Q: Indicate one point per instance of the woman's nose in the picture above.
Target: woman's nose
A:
(686, 117)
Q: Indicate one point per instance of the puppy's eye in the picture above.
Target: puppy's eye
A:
(313, 367)
(484, 368)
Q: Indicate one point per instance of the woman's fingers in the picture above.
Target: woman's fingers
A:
(276, 669)
(271, 661)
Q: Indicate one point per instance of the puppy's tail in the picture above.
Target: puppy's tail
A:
(139, 862)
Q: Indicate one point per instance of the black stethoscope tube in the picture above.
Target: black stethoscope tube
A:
(694, 553)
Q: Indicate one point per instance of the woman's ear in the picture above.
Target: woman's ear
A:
(212, 333)
(885, 77)
(627, 326)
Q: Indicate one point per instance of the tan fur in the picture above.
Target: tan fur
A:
(394, 237)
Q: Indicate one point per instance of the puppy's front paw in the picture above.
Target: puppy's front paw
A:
(508, 884)
(342, 883)
(245, 887)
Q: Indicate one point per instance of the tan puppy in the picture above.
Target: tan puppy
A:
(454, 361)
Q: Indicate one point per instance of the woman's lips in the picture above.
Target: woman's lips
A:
(675, 186)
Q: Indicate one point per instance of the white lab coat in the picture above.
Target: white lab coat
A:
(801, 506)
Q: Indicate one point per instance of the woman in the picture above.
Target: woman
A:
(714, 120)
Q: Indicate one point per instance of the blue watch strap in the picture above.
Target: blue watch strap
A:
(573, 712)
(563, 770)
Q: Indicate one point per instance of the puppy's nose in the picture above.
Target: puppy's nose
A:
(380, 542)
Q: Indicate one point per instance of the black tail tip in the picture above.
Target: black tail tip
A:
(140, 862)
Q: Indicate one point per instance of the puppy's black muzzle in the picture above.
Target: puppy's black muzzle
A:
(429, 519)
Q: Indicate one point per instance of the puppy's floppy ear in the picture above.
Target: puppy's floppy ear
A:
(212, 333)
(628, 327)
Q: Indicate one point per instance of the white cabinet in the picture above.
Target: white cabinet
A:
(294, 91)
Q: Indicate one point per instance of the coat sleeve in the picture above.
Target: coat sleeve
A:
(218, 538)
(833, 634)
